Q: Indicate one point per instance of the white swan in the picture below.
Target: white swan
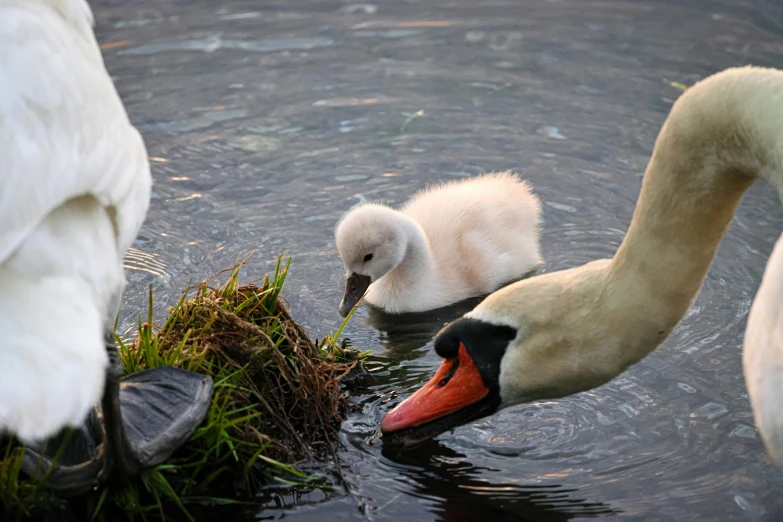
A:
(74, 190)
(448, 243)
(569, 331)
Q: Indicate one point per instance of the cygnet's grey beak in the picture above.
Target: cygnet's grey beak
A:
(355, 286)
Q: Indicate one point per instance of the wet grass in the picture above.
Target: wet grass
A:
(277, 402)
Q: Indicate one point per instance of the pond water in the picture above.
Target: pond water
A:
(267, 120)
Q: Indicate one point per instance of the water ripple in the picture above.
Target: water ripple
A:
(261, 145)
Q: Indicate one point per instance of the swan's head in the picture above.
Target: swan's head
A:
(372, 240)
(540, 338)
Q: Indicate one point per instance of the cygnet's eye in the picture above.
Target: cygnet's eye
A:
(368, 257)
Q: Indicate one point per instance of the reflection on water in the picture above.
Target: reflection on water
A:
(402, 336)
(266, 121)
(457, 490)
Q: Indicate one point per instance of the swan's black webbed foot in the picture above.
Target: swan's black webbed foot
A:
(149, 415)
(161, 408)
(70, 462)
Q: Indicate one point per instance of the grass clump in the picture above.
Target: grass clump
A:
(277, 401)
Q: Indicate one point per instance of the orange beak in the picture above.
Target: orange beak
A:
(456, 384)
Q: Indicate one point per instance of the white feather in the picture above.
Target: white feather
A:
(74, 191)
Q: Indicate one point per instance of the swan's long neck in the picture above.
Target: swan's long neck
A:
(676, 229)
(719, 137)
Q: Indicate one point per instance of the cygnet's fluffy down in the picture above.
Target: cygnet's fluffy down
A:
(449, 242)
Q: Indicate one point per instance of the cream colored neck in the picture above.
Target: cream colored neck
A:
(720, 137)
(675, 232)
(706, 156)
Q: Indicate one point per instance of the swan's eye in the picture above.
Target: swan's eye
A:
(368, 257)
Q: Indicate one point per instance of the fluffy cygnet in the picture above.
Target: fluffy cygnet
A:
(449, 242)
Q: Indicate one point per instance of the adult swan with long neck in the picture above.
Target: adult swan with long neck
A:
(565, 332)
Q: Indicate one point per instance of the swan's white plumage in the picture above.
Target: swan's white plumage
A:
(449, 242)
(74, 191)
(763, 355)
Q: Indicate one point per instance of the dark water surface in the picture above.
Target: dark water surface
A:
(269, 119)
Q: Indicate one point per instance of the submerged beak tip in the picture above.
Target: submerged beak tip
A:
(395, 419)
(387, 425)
